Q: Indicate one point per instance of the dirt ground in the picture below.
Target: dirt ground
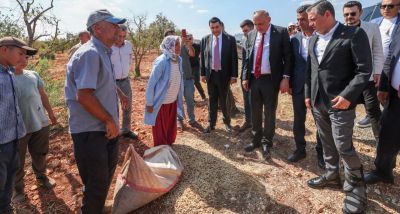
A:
(218, 176)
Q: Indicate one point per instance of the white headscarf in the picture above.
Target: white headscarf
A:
(168, 46)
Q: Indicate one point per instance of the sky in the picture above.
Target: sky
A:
(192, 15)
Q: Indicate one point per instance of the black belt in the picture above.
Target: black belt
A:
(216, 70)
(119, 80)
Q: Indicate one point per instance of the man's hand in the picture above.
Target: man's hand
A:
(382, 97)
(233, 81)
(284, 87)
(111, 129)
(377, 79)
(53, 119)
(149, 109)
(307, 101)
(203, 79)
(245, 84)
(341, 103)
(124, 101)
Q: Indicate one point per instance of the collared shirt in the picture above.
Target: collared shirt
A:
(121, 59)
(265, 64)
(11, 123)
(386, 28)
(323, 41)
(305, 41)
(214, 40)
(187, 68)
(30, 102)
(73, 50)
(90, 68)
(396, 76)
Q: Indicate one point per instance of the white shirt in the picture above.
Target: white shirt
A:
(386, 28)
(396, 76)
(121, 59)
(323, 41)
(214, 41)
(305, 41)
(265, 64)
(174, 84)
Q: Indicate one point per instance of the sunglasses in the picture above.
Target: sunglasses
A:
(350, 14)
(387, 6)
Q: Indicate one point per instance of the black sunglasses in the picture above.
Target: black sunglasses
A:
(387, 6)
(349, 14)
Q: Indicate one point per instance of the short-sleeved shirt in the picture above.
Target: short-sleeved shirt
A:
(11, 123)
(90, 68)
(121, 59)
(30, 102)
(187, 68)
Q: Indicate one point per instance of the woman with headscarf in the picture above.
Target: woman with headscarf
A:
(164, 93)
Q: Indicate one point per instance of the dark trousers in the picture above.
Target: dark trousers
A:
(299, 127)
(197, 83)
(38, 145)
(217, 87)
(96, 158)
(9, 163)
(389, 143)
(264, 97)
(372, 107)
(247, 105)
(335, 128)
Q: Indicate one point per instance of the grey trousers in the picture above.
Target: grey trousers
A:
(335, 130)
(125, 86)
(38, 145)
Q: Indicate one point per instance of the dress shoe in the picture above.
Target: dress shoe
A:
(251, 146)
(297, 155)
(196, 125)
(374, 177)
(228, 128)
(130, 135)
(364, 123)
(46, 182)
(246, 125)
(209, 129)
(265, 151)
(321, 182)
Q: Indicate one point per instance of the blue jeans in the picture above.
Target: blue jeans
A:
(9, 163)
(189, 98)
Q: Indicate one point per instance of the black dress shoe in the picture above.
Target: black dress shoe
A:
(374, 177)
(209, 129)
(297, 155)
(265, 151)
(251, 146)
(130, 135)
(321, 182)
(228, 128)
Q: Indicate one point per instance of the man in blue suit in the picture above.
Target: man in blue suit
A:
(390, 18)
(300, 43)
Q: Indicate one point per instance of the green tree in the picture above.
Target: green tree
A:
(9, 26)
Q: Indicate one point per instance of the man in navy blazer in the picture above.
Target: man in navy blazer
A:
(388, 95)
(299, 44)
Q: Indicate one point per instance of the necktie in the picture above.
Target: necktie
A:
(257, 70)
(216, 58)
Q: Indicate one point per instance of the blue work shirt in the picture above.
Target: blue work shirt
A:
(90, 68)
(157, 87)
(11, 124)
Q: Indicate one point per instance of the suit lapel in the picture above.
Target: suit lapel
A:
(333, 42)
(272, 41)
(311, 47)
(254, 37)
(223, 46)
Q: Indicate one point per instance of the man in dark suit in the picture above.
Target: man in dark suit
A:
(300, 42)
(388, 95)
(339, 65)
(266, 71)
(219, 68)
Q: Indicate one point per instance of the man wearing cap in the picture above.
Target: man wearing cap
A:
(121, 59)
(84, 36)
(12, 52)
(91, 97)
